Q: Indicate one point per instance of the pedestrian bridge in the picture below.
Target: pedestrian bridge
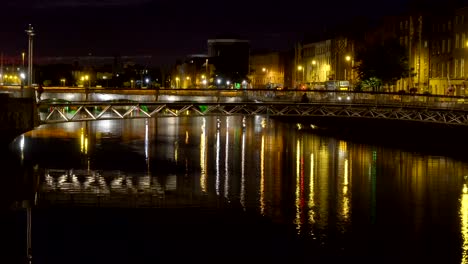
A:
(449, 110)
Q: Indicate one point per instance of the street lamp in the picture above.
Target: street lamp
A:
(268, 73)
(300, 68)
(316, 70)
(349, 62)
(30, 32)
(22, 77)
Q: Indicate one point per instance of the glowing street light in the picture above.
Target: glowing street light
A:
(348, 60)
(300, 68)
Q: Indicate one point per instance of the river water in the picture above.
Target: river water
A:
(227, 189)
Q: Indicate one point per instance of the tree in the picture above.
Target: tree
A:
(387, 62)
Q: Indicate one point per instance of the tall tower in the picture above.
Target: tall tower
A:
(30, 32)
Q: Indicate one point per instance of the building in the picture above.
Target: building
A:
(230, 58)
(267, 69)
(458, 79)
(315, 65)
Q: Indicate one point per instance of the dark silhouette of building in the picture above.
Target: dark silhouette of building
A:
(230, 58)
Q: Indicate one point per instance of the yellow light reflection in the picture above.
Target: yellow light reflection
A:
(176, 151)
(242, 191)
(262, 176)
(298, 220)
(345, 191)
(186, 137)
(147, 142)
(83, 141)
(312, 191)
(203, 179)
(464, 223)
(264, 123)
(218, 147)
(226, 162)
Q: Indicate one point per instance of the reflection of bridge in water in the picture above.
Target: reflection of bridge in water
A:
(113, 189)
(169, 103)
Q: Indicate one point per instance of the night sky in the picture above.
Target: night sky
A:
(168, 29)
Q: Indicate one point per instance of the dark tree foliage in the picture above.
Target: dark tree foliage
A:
(387, 62)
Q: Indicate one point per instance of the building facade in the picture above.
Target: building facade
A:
(267, 70)
(230, 58)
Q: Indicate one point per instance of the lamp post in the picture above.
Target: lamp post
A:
(348, 59)
(265, 70)
(22, 57)
(300, 68)
(30, 32)
(316, 71)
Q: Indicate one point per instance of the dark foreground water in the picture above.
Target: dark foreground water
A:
(174, 190)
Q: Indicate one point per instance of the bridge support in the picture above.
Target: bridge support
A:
(17, 116)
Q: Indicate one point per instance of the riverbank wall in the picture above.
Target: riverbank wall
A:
(17, 116)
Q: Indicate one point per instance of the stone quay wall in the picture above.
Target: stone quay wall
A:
(17, 115)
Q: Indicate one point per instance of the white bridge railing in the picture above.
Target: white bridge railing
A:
(436, 112)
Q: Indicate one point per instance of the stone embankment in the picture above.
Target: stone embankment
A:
(17, 115)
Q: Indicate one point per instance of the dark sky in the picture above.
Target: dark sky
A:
(168, 29)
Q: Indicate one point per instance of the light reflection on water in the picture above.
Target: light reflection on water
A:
(333, 191)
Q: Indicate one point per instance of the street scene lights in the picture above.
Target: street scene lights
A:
(22, 77)
(316, 71)
(177, 82)
(300, 68)
(30, 32)
(349, 76)
(267, 75)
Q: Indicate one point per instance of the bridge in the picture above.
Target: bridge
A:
(105, 105)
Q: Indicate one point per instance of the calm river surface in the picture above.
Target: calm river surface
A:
(227, 189)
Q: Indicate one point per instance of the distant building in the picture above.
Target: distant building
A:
(267, 69)
(316, 62)
(230, 58)
(193, 72)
